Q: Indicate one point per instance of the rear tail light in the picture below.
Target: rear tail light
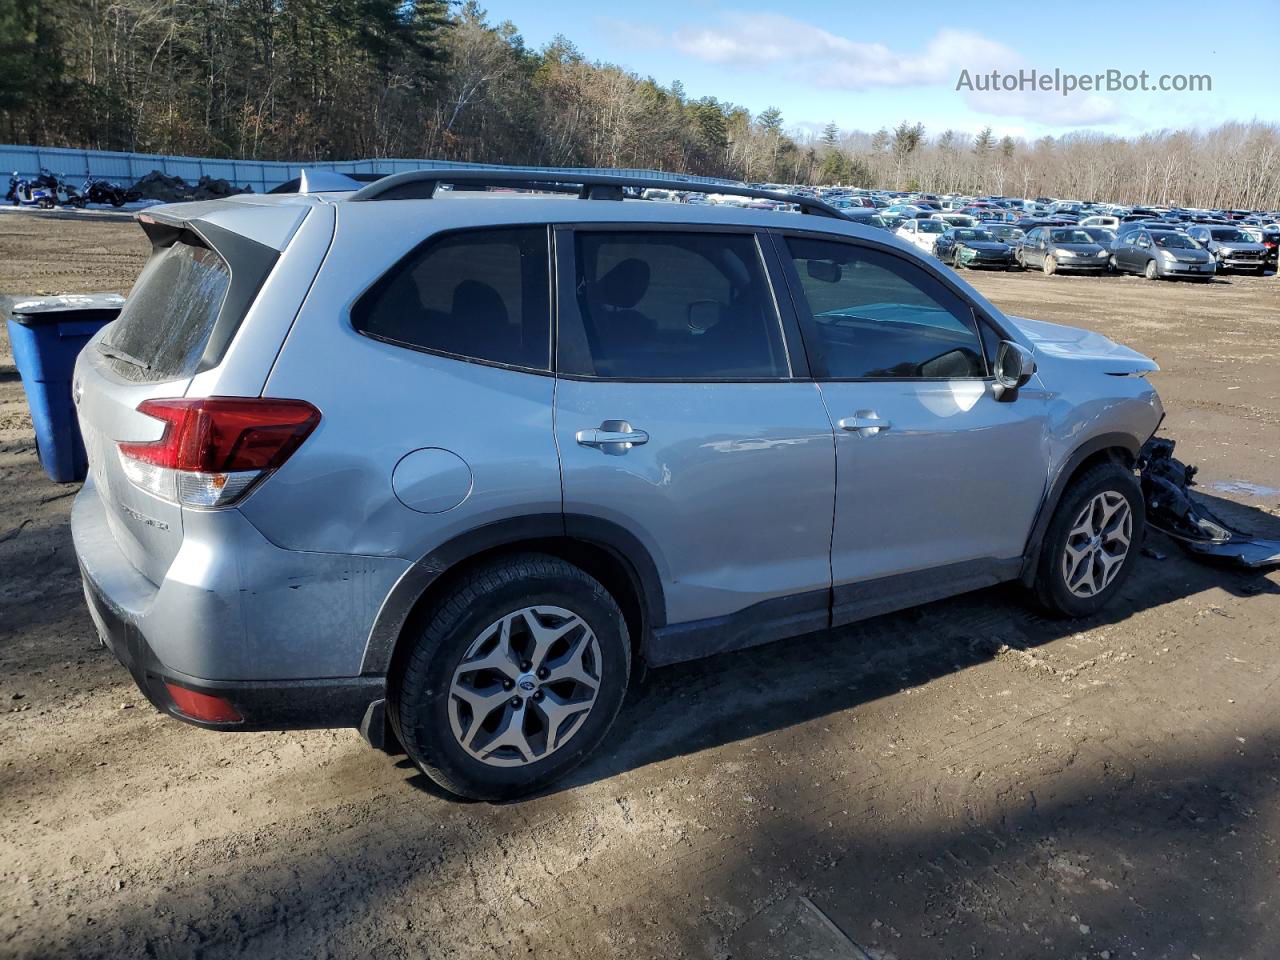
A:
(214, 450)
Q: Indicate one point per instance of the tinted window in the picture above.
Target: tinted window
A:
(481, 295)
(676, 306)
(878, 316)
(165, 323)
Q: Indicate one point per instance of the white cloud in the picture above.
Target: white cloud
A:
(812, 55)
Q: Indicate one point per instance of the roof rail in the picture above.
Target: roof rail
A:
(422, 185)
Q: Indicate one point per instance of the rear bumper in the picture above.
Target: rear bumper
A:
(278, 634)
(263, 705)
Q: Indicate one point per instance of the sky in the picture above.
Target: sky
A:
(865, 65)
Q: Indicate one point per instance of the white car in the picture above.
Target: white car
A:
(922, 233)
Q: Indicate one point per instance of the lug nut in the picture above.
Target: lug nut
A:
(542, 673)
(508, 684)
(525, 665)
(516, 702)
(538, 695)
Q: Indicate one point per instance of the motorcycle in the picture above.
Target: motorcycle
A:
(97, 190)
(25, 193)
(64, 195)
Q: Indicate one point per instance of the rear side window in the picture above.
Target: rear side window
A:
(676, 306)
(876, 316)
(162, 331)
(481, 295)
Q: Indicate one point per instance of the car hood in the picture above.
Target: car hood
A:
(988, 245)
(1091, 249)
(1234, 247)
(1075, 343)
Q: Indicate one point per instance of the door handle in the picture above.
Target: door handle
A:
(865, 423)
(614, 437)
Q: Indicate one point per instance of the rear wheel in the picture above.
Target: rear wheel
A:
(515, 680)
(1090, 545)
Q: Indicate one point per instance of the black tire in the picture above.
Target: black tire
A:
(420, 691)
(1050, 586)
(117, 202)
(1152, 271)
(1049, 265)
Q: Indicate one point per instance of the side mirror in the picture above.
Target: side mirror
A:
(1014, 367)
(828, 271)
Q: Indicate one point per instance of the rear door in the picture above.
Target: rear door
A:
(938, 482)
(684, 415)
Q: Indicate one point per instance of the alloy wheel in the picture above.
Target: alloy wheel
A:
(525, 686)
(1097, 544)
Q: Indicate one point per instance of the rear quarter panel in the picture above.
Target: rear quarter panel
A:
(379, 402)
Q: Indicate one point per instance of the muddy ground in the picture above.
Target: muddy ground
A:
(964, 780)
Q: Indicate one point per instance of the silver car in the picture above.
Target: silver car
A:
(450, 467)
(1231, 247)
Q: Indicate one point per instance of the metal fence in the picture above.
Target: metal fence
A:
(259, 175)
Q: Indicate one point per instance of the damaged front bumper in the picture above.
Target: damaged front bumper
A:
(1166, 488)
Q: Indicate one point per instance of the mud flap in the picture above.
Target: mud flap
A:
(1171, 509)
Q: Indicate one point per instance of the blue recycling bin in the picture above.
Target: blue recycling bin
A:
(46, 334)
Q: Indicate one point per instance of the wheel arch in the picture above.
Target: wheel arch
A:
(607, 551)
(1120, 448)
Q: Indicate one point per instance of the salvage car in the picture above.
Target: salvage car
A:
(922, 234)
(1162, 254)
(451, 470)
(1232, 248)
(1061, 248)
(972, 247)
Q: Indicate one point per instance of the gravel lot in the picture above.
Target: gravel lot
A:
(964, 780)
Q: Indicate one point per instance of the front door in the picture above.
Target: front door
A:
(679, 417)
(938, 482)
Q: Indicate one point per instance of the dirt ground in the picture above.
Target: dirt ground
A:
(964, 780)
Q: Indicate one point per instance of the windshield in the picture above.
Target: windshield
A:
(931, 226)
(1174, 241)
(1071, 236)
(1232, 235)
(1007, 233)
(972, 235)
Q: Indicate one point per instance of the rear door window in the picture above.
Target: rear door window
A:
(675, 306)
(478, 295)
(166, 321)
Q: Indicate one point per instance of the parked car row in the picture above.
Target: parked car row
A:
(1055, 236)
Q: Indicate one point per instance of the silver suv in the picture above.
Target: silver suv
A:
(451, 465)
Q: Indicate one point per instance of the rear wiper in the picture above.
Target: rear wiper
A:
(115, 353)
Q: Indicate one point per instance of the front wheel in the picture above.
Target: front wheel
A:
(1050, 266)
(1153, 271)
(515, 680)
(1091, 543)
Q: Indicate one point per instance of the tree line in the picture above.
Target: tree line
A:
(344, 79)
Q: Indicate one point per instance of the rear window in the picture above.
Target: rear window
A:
(162, 331)
(481, 295)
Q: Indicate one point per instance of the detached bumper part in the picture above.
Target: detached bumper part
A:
(1166, 487)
